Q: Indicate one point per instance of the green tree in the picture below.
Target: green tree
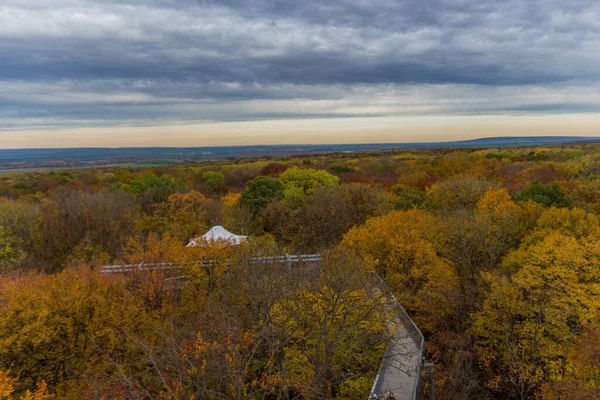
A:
(20, 216)
(151, 189)
(298, 182)
(259, 192)
(410, 198)
(549, 195)
(213, 179)
(10, 253)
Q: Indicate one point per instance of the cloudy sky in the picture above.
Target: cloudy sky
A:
(201, 72)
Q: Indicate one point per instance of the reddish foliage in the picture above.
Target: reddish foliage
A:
(354, 177)
(274, 169)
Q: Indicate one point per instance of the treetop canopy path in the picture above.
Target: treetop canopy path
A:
(400, 370)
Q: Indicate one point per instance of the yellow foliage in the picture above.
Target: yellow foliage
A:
(530, 321)
(576, 223)
(154, 249)
(6, 385)
(183, 216)
(396, 246)
(459, 192)
(52, 325)
(496, 201)
(231, 199)
(7, 389)
(204, 265)
(40, 393)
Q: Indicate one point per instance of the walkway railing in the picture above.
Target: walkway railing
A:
(286, 259)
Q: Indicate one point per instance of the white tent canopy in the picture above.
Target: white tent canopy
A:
(217, 234)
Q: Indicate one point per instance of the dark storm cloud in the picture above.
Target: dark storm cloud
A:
(223, 60)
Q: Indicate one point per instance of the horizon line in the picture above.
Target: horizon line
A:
(482, 138)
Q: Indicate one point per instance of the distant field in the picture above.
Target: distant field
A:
(4, 171)
(24, 160)
(142, 164)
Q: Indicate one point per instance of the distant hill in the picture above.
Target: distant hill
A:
(81, 157)
(506, 141)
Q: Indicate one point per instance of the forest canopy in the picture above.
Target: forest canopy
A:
(494, 253)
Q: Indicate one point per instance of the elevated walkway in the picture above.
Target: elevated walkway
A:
(400, 369)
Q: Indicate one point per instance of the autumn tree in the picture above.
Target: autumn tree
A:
(586, 196)
(267, 330)
(582, 382)
(150, 189)
(57, 328)
(530, 321)
(225, 344)
(7, 387)
(506, 223)
(18, 219)
(398, 247)
(183, 216)
(460, 192)
(477, 240)
(205, 263)
(273, 169)
(254, 292)
(337, 321)
(327, 214)
(277, 219)
(98, 221)
(454, 163)
(236, 216)
(153, 248)
(237, 178)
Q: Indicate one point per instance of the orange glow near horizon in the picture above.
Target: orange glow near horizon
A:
(308, 131)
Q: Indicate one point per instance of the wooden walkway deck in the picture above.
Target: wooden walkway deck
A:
(400, 370)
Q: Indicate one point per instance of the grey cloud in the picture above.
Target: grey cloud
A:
(186, 59)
